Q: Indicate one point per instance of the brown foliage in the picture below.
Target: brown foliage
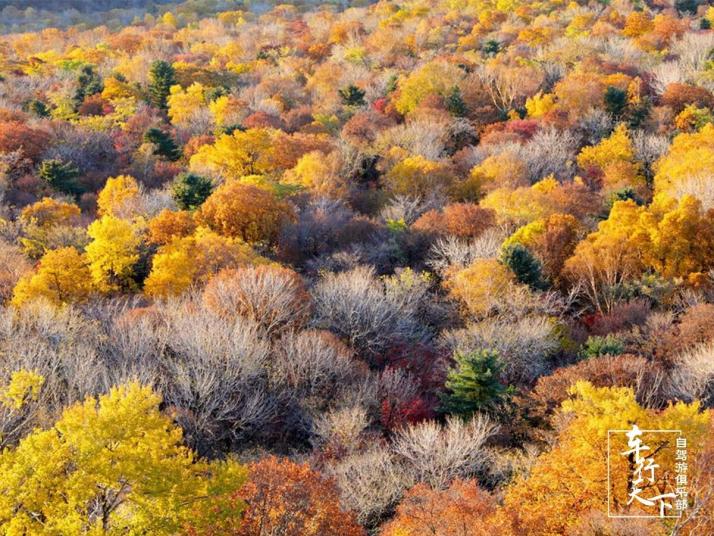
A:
(465, 220)
(461, 510)
(13, 265)
(291, 499)
(678, 96)
(168, 225)
(15, 136)
(245, 211)
(696, 326)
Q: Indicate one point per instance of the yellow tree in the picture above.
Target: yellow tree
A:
(235, 155)
(481, 286)
(503, 170)
(183, 104)
(118, 196)
(691, 155)
(418, 176)
(191, 260)
(570, 481)
(114, 465)
(436, 77)
(226, 110)
(49, 212)
(673, 238)
(320, 173)
(62, 276)
(523, 205)
(609, 256)
(613, 159)
(112, 253)
(680, 236)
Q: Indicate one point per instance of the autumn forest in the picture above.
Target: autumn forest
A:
(421, 268)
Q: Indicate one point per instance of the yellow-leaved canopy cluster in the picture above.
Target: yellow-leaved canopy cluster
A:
(113, 465)
(570, 481)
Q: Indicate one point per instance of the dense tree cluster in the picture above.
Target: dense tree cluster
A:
(391, 269)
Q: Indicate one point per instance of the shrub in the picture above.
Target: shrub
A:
(13, 265)
(313, 365)
(216, 380)
(371, 483)
(597, 346)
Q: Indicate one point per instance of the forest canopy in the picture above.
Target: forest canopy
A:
(395, 268)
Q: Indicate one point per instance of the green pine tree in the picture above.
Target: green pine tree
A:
(161, 77)
(455, 103)
(165, 145)
(37, 108)
(88, 83)
(474, 384)
(61, 176)
(491, 47)
(615, 101)
(190, 191)
(524, 265)
(352, 96)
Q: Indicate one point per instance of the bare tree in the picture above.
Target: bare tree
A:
(356, 306)
(371, 483)
(437, 454)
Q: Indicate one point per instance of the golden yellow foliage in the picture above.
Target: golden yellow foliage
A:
(24, 385)
(691, 155)
(481, 286)
(242, 153)
(436, 77)
(112, 254)
(614, 159)
(183, 104)
(49, 212)
(318, 172)
(194, 259)
(502, 170)
(114, 465)
(675, 238)
(417, 176)
(540, 104)
(117, 196)
(571, 480)
(61, 277)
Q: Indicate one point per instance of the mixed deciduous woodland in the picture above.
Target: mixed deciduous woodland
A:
(320, 270)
